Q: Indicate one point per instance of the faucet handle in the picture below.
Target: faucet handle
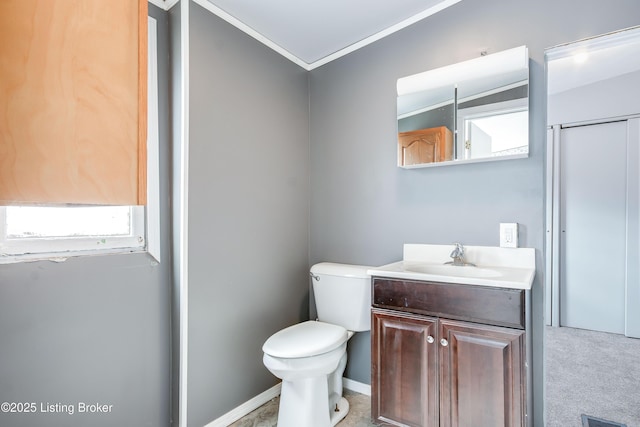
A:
(458, 251)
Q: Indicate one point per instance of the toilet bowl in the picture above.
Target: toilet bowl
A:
(310, 357)
(311, 377)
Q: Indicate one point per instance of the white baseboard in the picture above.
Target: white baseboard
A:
(246, 407)
(253, 404)
(356, 386)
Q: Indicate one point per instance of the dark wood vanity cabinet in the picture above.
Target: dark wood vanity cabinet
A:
(404, 377)
(482, 375)
(431, 370)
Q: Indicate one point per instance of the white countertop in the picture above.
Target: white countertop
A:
(512, 268)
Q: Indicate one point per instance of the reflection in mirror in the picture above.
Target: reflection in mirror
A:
(475, 110)
(496, 126)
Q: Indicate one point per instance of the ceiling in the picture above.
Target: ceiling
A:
(314, 32)
(589, 61)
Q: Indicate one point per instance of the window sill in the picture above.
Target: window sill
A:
(64, 256)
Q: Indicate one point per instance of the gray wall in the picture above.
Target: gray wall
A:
(92, 329)
(248, 211)
(363, 208)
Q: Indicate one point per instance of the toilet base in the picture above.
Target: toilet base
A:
(340, 411)
(303, 403)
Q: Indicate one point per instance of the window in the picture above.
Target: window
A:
(36, 232)
(45, 230)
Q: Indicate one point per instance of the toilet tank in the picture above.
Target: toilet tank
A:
(342, 294)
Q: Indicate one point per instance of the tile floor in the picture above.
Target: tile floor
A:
(267, 415)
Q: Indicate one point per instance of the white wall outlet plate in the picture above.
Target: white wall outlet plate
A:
(508, 235)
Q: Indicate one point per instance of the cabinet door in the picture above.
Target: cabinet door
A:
(419, 147)
(425, 146)
(482, 380)
(404, 380)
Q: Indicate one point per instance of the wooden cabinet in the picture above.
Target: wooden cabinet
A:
(404, 360)
(482, 375)
(425, 146)
(73, 96)
(431, 370)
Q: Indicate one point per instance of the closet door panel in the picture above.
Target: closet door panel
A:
(593, 226)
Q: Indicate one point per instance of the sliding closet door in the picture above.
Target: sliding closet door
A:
(593, 175)
(632, 295)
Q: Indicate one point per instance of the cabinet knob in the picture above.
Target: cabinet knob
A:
(430, 339)
(444, 342)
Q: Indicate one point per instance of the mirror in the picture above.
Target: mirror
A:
(476, 110)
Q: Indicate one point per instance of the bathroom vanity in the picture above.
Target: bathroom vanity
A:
(450, 343)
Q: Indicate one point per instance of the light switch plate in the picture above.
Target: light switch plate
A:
(508, 234)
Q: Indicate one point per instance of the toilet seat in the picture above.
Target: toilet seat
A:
(295, 342)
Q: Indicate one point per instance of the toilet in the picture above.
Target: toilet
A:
(310, 357)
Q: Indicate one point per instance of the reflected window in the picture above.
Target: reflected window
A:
(492, 130)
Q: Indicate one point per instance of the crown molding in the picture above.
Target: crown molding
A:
(251, 32)
(160, 3)
(164, 4)
(382, 34)
(168, 4)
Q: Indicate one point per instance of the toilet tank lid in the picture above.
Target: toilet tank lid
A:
(305, 339)
(342, 270)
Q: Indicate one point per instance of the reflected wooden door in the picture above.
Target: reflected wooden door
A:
(425, 146)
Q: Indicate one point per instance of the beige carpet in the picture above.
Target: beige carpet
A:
(592, 373)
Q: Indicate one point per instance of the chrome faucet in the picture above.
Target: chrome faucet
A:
(458, 256)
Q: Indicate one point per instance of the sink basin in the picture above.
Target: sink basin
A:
(498, 267)
(452, 270)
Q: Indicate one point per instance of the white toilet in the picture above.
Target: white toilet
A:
(310, 357)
